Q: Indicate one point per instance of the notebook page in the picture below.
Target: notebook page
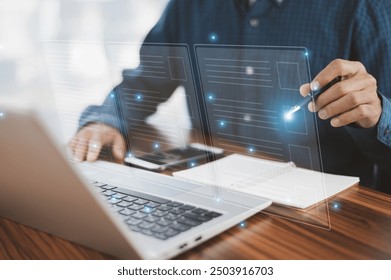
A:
(295, 187)
(228, 171)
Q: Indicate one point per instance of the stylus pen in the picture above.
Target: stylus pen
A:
(313, 95)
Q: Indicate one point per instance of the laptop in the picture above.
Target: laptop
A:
(90, 203)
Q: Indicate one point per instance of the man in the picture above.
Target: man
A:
(345, 38)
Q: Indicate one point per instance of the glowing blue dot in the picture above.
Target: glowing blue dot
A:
(306, 53)
(139, 97)
(192, 164)
(213, 37)
(218, 199)
(129, 155)
(147, 209)
(112, 95)
(243, 224)
(156, 145)
(222, 124)
(251, 149)
(336, 206)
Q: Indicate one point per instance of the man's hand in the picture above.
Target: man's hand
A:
(88, 142)
(353, 100)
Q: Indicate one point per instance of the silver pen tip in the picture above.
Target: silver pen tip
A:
(294, 109)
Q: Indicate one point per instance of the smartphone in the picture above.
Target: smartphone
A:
(161, 160)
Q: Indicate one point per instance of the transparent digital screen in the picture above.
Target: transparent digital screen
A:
(80, 77)
(160, 88)
(248, 92)
(233, 98)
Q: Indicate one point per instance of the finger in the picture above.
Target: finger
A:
(341, 89)
(118, 148)
(72, 144)
(305, 89)
(339, 67)
(343, 104)
(356, 114)
(102, 136)
(80, 149)
(94, 148)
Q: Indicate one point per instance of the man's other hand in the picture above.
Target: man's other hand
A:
(89, 141)
(353, 100)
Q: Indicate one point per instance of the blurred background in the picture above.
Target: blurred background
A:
(53, 53)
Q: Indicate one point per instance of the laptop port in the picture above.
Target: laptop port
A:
(183, 246)
(198, 238)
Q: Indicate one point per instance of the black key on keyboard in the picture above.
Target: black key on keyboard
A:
(124, 204)
(146, 225)
(141, 201)
(164, 207)
(109, 193)
(172, 217)
(199, 211)
(174, 204)
(164, 222)
(108, 187)
(114, 200)
(139, 215)
(133, 221)
(152, 204)
(148, 210)
(119, 195)
(196, 217)
(171, 232)
(161, 236)
(159, 229)
(212, 214)
(179, 227)
(151, 219)
(159, 213)
(186, 207)
(176, 211)
(127, 212)
(129, 198)
(189, 222)
(135, 207)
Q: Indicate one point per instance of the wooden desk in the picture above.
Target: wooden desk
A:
(360, 229)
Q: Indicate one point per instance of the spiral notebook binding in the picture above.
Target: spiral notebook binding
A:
(264, 176)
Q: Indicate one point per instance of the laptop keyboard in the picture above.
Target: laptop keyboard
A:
(153, 216)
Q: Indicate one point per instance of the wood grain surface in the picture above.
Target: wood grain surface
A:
(355, 224)
(360, 228)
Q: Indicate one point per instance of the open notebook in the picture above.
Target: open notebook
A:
(283, 183)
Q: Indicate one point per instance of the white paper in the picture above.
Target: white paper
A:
(280, 182)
